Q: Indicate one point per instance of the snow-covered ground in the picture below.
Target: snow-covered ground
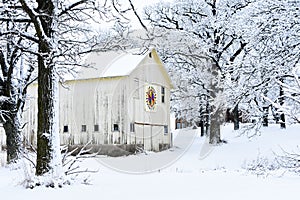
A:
(191, 170)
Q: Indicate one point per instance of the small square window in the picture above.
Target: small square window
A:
(66, 129)
(96, 127)
(178, 125)
(163, 92)
(131, 127)
(166, 130)
(83, 128)
(116, 127)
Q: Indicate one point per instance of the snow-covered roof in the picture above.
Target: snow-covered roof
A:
(111, 64)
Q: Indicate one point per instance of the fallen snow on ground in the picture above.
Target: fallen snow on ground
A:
(192, 169)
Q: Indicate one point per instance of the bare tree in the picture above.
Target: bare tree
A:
(270, 64)
(16, 73)
(212, 30)
(53, 35)
(63, 35)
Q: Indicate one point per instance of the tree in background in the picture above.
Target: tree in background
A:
(239, 54)
(283, 49)
(211, 33)
(268, 65)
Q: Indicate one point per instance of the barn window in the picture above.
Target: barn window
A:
(96, 128)
(178, 125)
(166, 130)
(116, 127)
(66, 129)
(183, 125)
(131, 127)
(163, 92)
(83, 128)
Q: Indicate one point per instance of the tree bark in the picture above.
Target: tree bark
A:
(202, 127)
(11, 121)
(48, 152)
(46, 118)
(207, 118)
(282, 121)
(201, 122)
(215, 130)
(216, 110)
(13, 137)
(236, 121)
(265, 122)
(281, 102)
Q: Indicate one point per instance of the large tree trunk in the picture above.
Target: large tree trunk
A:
(13, 136)
(236, 121)
(215, 130)
(11, 120)
(216, 107)
(48, 149)
(47, 119)
(201, 124)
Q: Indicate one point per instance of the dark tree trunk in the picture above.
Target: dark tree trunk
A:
(13, 137)
(281, 102)
(275, 113)
(215, 85)
(282, 121)
(202, 128)
(265, 116)
(47, 91)
(207, 118)
(216, 112)
(11, 120)
(236, 121)
(202, 113)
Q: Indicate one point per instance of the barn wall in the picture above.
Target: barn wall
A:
(110, 102)
(30, 115)
(149, 126)
(90, 103)
(2, 138)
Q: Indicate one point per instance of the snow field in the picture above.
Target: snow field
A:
(191, 174)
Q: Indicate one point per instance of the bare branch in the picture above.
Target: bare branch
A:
(137, 15)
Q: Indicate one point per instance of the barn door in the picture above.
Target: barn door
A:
(157, 133)
(148, 137)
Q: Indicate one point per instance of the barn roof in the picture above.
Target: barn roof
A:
(111, 64)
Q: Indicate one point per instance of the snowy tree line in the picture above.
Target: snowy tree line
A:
(239, 55)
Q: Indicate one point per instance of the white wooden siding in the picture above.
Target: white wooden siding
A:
(108, 101)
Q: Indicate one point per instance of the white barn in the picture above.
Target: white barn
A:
(124, 98)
